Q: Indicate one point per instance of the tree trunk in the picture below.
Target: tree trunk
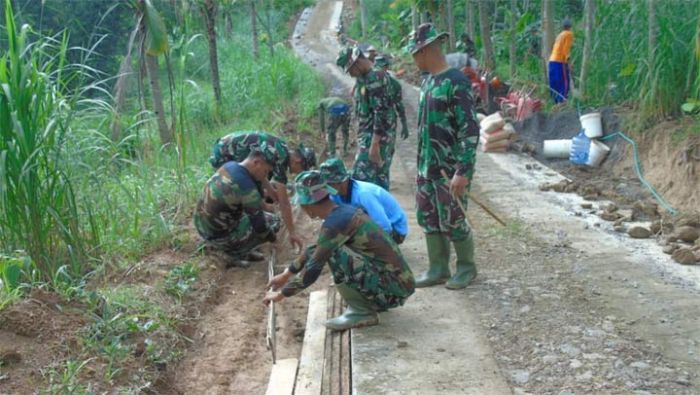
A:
(513, 27)
(415, 18)
(228, 22)
(152, 69)
(470, 20)
(486, 35)
(120, 87)
(451, 24)
(209, 11)
(651, 40)
(363, 18)
(588, 42)
(268, 28)
(254, 27)
(547, 33)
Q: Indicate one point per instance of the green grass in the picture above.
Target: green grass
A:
(74, 200)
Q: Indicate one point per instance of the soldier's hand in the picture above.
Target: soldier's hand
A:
(458, 185)
(404, 132)
(272, 296)
(279, 280)
(374, 155)
(296, 242)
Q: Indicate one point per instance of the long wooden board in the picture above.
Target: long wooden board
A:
(282, 378)
(311, 362)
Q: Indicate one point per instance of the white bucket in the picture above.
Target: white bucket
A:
(592, 125)
(556, 148)
(597, 153)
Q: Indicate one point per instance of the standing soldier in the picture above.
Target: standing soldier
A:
(375, 115)
(373, 279)
(338, 111)
(382, 63)
(236, 147)
(230, 216)
(448, 134)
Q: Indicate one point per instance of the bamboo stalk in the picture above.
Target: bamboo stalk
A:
(470, 196)
(270, 337)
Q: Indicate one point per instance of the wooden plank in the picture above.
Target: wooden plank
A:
(335, 347)
(328, 353)
(282, 378)
(310, 374)
(345, 361)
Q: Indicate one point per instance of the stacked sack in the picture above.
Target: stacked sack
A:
(496, 134)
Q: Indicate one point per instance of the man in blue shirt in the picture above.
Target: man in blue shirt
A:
(381, 207)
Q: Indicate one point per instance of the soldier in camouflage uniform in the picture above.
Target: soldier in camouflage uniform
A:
(338, 111)
(448, 134)
(236, 147)
(367, 266)
(229, 215)
(376, 118)
(395, 92)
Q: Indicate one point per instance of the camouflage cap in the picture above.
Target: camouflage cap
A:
(310, 188)
(308, 156)
(423, 36)
(268, 151)
(347, 57)
(382, 61)
(333, 171)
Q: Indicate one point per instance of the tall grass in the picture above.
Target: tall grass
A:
(72, 198)
(40, 212)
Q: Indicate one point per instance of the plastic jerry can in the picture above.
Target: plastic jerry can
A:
(580, 146)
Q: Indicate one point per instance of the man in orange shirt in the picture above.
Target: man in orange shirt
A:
(559, 71)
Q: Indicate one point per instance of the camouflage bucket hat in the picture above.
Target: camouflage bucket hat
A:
(268, 151)
(347, 57)
(310, 187)
(423, 36)
(308, 156)
(381, 61)
(333, 171)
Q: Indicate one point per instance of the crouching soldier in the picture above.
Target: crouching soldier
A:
(229, 215)
(373, 279)
(379, 204)
(338, 111)
(236, 147)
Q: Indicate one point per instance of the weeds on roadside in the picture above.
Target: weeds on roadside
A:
(178, 282)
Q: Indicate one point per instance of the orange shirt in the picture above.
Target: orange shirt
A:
(562, 47)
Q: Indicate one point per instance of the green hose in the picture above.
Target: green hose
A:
(638, 170)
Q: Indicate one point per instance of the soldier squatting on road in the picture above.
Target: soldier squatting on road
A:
(373, 279)
(377, 202)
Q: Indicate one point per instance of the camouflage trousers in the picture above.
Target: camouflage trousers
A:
(341, 122)
(366, 170)
(438, 211)
(242, 239)
(384, 288)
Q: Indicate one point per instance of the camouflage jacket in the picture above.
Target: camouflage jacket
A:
(373, 105)
(350, 227)
(236, 147)
(448, 132)
(396, 95)
(228, 195)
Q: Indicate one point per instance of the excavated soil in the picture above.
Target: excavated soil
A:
(672, 168)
